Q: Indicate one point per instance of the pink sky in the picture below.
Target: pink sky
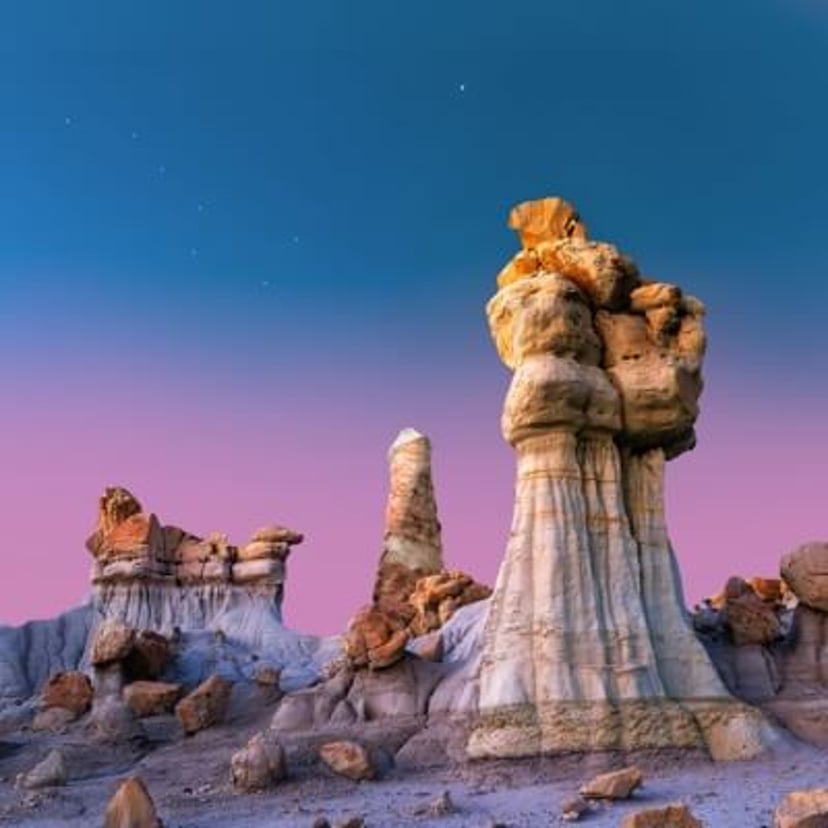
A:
(751, 490)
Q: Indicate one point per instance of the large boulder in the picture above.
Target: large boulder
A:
(151, 698)
(70, 690)
(805, 570)
(113, 642)
(750, 619)
(205, 706)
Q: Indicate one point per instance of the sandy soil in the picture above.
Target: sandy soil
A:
(189, 781)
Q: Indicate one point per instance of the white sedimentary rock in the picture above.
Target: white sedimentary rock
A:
(587, 645)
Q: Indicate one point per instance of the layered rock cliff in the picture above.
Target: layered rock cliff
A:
(587, 644)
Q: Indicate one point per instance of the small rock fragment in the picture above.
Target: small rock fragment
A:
(613, 785)
(113, 642)
(131, 807)
(151, 698)
(574, 809)
(440, 806)
(668, 816)
(348, 759)
(258, 765)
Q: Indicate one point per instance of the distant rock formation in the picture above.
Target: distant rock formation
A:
(769, 640)
(221, 602)
(587, 645)
(162, 577)
(413, 593)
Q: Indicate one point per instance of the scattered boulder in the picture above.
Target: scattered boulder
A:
(803, 809)
(437, 597)
(151, 698)
(205, 706)
(440, 806)
(348, 759)
(375, 639)
(258, 765)
(805, 570)
(47, 773)
(113, 642)
(668, 816)
(131, 806)
(70, 690)
(618, 784)
(277, 534)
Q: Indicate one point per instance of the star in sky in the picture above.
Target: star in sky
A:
(134, 135)
(462, 87)
(67, 120)
(193, 252)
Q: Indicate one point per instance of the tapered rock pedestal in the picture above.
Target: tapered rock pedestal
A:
(587, 646)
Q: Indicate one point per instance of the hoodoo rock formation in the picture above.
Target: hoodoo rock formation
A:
(413, 593)
(587, 645)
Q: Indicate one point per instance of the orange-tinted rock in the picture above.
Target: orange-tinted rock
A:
(375, 639)
(138, 536)
(392, 591)
(205, 706)
(436, 598)
(546, 220)
(667, 816)
(71, 690)
(803, 809)
(805, 570)
(604, 275)
(259, 765)
(113, 642)
(348, 759)
(524, 265)
(749, 619)
(771, 590)
(131, 807)
(114, 507)
(618, 784)
(151, 698)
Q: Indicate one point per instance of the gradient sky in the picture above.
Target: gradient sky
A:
(240, 250)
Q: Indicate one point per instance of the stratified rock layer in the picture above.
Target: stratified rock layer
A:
(587, 645)
(413, 594)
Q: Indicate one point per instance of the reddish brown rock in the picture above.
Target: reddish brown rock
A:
(437, 597)
(749, 619)
(375, 639)
(267, 676)
(348, 759)
(71, 690)
(151, 698)
(805, 570)
(618, 784)
(205, 706)
(114, 507)
(803, 809)
(668, 816)
(131, 806)
(113, 642)
(259, 765)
